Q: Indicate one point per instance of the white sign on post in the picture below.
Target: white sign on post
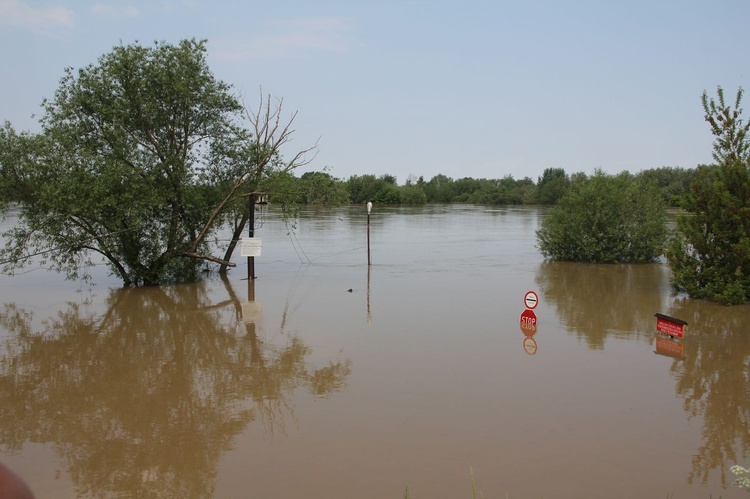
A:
(250, 246)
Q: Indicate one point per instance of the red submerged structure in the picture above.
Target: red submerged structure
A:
(670, 326)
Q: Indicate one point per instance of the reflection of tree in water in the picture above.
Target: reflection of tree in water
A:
(143, 400)
(596, 301)
(714, 381)
(713, 378)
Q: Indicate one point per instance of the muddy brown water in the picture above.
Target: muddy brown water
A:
(326, 378)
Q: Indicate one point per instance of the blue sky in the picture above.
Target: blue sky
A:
(479, 89)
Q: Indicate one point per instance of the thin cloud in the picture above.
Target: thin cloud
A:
(39, 20)
(287, 39)
(176, 5)
(115, 11)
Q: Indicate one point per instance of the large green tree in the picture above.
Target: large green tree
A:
(710, 253)
(605, 219)
(140, 159)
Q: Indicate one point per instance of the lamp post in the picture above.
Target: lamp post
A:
(369, 209)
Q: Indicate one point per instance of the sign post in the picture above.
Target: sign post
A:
(250, 234)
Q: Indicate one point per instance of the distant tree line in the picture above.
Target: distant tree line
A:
(324, 189)
(621, 218)
(144, 156)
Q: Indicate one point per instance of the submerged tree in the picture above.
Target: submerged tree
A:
(140, 159)
(605, 219)
(141, 398)
(710, 252)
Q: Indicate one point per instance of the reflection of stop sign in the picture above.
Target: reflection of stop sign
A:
(528, 322)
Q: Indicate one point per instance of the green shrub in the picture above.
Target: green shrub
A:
(605, 219)
(413, 194)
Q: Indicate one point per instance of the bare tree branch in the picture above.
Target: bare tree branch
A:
(269, 136)
(210, 258)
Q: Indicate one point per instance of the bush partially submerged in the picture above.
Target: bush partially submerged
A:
(605, 219)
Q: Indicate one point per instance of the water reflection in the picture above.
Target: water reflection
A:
(714, 381)
(598, 301)
(530, 346)
(711, 365)
(369, 309)
(144, 395)
(143, 399)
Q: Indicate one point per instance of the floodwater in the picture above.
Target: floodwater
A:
(328, 378)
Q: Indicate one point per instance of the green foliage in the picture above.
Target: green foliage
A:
(285, 191)
(412, 194)
(504, 191)
(440, 189)
(140, 159)
(463, 188)
(709, 254)
(381, 190)
(605, 219)
(552, 185)
(731, 143)
(320, 188)
(507, 190)
(674, 183)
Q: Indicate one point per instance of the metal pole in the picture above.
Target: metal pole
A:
(250, 233)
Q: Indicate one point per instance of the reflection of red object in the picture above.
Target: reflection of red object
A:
(671, 326)
(670, 347)
(528, 322)
(529, 345)
(11, 485)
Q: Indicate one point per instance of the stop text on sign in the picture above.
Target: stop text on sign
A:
(528, 322)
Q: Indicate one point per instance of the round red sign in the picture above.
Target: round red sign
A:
(531, 299)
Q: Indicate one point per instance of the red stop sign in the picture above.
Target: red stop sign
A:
(528, 322)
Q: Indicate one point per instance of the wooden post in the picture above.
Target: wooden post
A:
(251, 233)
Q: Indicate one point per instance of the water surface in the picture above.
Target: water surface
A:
(326, 377)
